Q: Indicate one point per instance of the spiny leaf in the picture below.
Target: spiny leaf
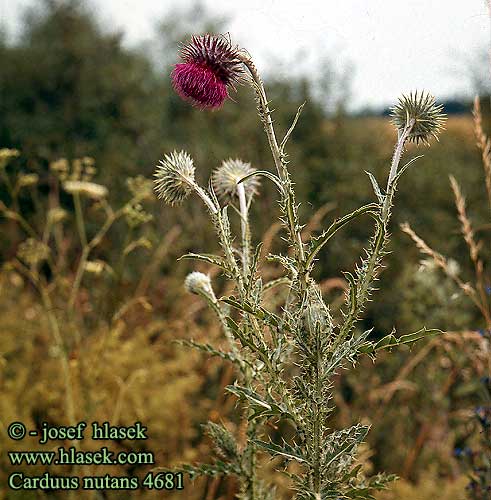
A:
(390, 341)
(239, 334)
(286, 262)
(209, 349)
(284, 450)
(225, 442)
(376, 187)
(207, 257)
(318, 242)
(244, 393)
(277, 282)
(343, 442)
(253, 266)
(345, 351)
(264, 173)
(258, 404)
(353, 291)
(402, 170)
(259, 312)
(218, 468)
(290, 130)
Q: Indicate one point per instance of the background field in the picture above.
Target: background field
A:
(72, 91)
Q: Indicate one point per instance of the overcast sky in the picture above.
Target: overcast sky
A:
(391, 46)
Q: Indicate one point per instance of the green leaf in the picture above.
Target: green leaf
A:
(253, 266)
(207, 257)
(290, 130)
(318, 242)
(284, 450)
(277, 282)
(225, 442)
(353, 292)
(239, 334)
(402, 170)
(390, 341)
(259, 406)
(218, 468)
(347, 350)
(244, 393)
(287, 262)
(264, 173)
(209, 349)
(343, 442)
(376, 187)
(258, 312)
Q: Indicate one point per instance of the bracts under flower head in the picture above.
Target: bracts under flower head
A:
(210, 65)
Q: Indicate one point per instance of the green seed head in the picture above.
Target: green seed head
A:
(226, 177)
(174, 177)
(421, 110)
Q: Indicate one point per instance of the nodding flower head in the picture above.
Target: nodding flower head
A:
(174, 177)
(226, 177)
(210, 65)
(199, 284)
(420, 109)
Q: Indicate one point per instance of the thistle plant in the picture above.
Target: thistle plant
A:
(286, 357)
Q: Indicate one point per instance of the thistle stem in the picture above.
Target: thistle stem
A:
(371, 265)
(201, 193)
(244, 225)
(398, 152)
(265, 114)
(396, 159)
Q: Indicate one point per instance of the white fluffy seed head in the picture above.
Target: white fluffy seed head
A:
(226, 177)
(199, 283)
(174, 177)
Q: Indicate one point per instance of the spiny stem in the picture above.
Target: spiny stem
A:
(202, 194)
(371, 266)
(317, 422)
(265, 113)
(244, 224)
(396, 159)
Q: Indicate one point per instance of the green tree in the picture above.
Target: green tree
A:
(69, 88)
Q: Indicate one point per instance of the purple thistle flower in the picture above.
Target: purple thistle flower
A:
(210, 65)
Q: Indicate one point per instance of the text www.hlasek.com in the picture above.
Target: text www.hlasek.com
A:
(72, 456)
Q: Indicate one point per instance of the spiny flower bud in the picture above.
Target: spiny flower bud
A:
(174, 177)
(211, 64)
(199, 283)
(420, 109)
(226, 177)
